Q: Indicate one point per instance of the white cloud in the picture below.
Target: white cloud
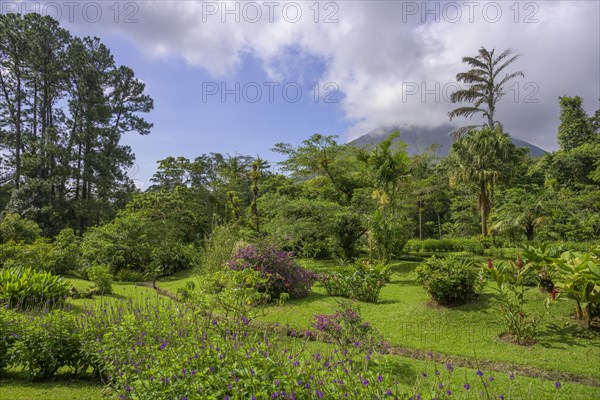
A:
(379, 49)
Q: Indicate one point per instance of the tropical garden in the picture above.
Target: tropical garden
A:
(341, 272)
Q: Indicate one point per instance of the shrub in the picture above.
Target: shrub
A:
(27, 288)
(15, 228)
(48, 343)
(58, 257)
(127, 275)
(283, 273)
(101, 278)
(66, 252)
(38, 255)
(9, 328)
(448, 280)
(578, 277)
(510, 281)
(229, 293)
(473, 246)
(347, 329)
(360, 282)
(169, 258)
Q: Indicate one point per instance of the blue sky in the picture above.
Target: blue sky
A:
(388, 63)
(190, 119)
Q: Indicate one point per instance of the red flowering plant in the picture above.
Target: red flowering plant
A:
(283, 273)
(510, 278)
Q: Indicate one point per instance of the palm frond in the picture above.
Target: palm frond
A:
(467, 112)
(460, 132)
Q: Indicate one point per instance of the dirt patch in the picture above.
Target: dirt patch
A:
(509, 338)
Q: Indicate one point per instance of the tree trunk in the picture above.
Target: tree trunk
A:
(439, 221)
(420, 223)
(483, 208)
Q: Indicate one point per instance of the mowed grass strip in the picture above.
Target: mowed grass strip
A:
(408, 318)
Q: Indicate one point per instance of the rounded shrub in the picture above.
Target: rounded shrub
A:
(448, 280)
(283, 273)
(101, 278)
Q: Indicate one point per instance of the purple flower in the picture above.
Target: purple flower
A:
(379, 378)
(449, 367)
(365, 382)
(388, 392)
(319, 393)
(557, 385)
(479, 373)
(511, 376)
(467, 386)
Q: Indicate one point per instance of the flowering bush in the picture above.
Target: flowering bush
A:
(448, 280)
(47, 343)
(347, 329)
(510, 278)
(8, 333)
(360, 282)
(282, 272)
(158, 349)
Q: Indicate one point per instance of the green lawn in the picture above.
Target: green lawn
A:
(412, 323)
(15, 387)
(408, 319)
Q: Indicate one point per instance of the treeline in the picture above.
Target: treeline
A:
(333, 199)
(64, 106)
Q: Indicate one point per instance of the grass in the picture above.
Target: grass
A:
(408, 371)
(15, 387)
(410, 321)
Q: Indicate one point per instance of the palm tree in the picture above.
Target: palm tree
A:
(483, 158)
(524, 210)
(486, 86)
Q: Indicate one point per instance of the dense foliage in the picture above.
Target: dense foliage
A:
(67, 205)
(360, 282)
(64, 107)
(448, 280)
(282, 272)
(26, 287)
(157, 349)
